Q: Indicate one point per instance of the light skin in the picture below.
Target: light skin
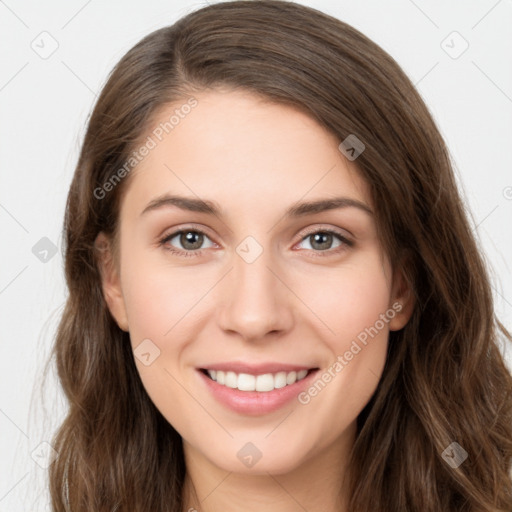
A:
(255, 160)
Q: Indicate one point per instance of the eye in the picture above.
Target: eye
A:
(321, 242)
(190, 239)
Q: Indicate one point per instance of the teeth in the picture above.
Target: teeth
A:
(265, 382)
(246, 382)
(291, 378)
(280, 380)
(261, 382)
(301, 374)
(231, 380)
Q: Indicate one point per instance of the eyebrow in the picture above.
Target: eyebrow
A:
(296, 210)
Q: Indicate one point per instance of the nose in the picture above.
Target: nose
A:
(256, 300)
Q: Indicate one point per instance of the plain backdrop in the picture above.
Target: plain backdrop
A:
(55, 58)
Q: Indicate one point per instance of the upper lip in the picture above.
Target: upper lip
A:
(256, 369)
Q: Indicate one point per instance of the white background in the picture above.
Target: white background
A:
(44, 105)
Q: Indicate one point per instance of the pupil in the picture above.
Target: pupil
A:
(188, 238)
(322, 239)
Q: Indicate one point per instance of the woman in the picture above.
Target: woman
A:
(248, 371)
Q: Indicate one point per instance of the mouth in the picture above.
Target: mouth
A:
(256, 390)
(263, 383)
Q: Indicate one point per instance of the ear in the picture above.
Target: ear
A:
(402, 301)
(110, 282)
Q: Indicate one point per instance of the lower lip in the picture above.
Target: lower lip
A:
(256, 403)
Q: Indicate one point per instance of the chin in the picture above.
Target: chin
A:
(249, 459)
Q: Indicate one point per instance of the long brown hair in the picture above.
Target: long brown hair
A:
(445, 379)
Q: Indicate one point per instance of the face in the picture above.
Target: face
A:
(292, 307)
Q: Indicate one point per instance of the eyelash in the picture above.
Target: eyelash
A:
(198, 252)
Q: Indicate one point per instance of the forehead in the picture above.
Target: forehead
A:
(241, 151)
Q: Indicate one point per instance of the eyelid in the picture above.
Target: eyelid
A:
(327, 229)
(175, 230)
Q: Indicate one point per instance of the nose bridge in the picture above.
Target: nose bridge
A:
(258, 302)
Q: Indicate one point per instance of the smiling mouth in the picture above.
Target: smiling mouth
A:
(263, 383)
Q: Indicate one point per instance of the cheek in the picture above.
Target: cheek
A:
(160, 308)
(349, 298)
(159, 298)
(354, 304)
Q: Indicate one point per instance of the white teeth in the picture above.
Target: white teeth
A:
(265, 382)
(280, 380)
(291, 378)
(231, 380)
(301, 374)
(246, 382)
